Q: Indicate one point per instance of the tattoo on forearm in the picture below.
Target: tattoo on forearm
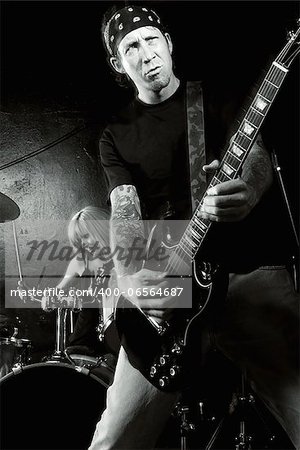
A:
(126, 223)
(257, 170)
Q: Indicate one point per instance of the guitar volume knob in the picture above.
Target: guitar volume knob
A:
(164, 359)
(163, 381)
(174, 370)
(154, 370)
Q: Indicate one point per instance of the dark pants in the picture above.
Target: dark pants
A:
(258, 330)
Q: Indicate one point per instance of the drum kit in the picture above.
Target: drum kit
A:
(56, 403)
(65, 389)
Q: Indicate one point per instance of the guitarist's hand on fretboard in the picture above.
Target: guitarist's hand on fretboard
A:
(230, 201)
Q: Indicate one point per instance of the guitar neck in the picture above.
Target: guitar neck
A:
(235, 155)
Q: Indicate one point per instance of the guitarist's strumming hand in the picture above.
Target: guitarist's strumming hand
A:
(145, 289)
(233, 200)
(135, 282)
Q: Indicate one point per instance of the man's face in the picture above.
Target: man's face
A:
(144, 55)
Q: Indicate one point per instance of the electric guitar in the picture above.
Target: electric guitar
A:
(164, 351)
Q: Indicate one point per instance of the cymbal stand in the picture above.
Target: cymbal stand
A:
(240, 405)
(277, 169)
(186, 427)
(243, 440)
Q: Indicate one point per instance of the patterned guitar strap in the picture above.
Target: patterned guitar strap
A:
(196, 140)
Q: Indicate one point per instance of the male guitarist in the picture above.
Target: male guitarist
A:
(144, 154)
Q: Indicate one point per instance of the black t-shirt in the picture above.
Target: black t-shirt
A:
(145, 148)
(146, 145)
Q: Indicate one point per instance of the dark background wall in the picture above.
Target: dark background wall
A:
(55, 79)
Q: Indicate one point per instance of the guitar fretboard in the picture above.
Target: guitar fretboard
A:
(234, 157)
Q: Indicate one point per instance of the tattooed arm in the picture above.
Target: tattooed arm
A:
(126, 228)
(257, 171)
(233, 200)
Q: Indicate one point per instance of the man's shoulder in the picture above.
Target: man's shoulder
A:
(121, 117)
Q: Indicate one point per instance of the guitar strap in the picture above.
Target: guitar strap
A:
(196, 140)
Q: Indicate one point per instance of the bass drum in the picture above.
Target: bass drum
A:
(52, 406)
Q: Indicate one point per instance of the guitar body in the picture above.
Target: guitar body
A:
(168, 355)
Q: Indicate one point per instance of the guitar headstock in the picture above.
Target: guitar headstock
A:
(292, 48)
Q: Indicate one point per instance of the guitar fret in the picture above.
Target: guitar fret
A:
(201, 234)
(185, 245)
(234, 156)
(227, 169)
(244, 135)
(191, 236)
(270, 82)
(214, 182)
(269, 91)
(217, 179)
(225, 174)
(199, 231)
(242, 142)
(237, 149)
(255, 118)
(250, 123)
(266, 99)
(256, 110)
(189, 241)
(232, 161)
(200, 223)
(195, 234)
(278, 76)
(260, 103)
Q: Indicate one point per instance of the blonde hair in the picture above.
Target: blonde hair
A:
(91, 220)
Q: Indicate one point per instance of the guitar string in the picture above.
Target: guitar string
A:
(270, 92)
(183, 249)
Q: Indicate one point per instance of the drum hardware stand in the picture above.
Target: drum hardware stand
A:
(240, 404)
(60, 354)
(277, 169)
(186, 427)
(17, 251)
(22, 357)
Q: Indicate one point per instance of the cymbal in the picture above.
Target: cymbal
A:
(9, 210)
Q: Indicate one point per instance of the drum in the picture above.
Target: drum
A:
(104, 365)
(72, 302)
(13, 352)
(52, 406)
(82, 360)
